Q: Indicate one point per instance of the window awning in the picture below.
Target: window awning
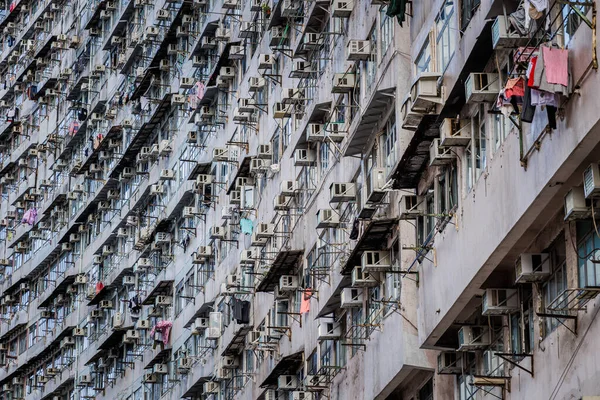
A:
(369, 120)
(60, 288)
(209, 28)
(203, 310)
(284, 263)
(242, 171)
(164, 287)
(374, 237)
(237, 343)
(286, 366)
(162, 355)
(316, 114)
(415, 159)
(334, 301)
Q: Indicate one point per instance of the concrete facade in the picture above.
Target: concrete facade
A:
(240, 200)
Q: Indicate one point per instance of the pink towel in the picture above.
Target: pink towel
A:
(305, 304)
(556, 63)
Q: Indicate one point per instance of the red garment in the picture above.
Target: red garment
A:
(305, 304)
(164, 327)
(556, 65)
(99, 287)
(515, 87)
(12, 7)
(530, 78)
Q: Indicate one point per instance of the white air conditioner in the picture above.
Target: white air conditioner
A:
(279, 35)
(425, 92)
(329, 331)
(178, 99)
(455, 132)
(266, 61)
(149, 378)
(341, 192)
(288, 283)
(256, 83)
(575, 206)
(376, 261)
(327, 218)
(304, 157)
(220, 154)
(473, 337)
(288, 188)
(351, 298)
(450, 363)
(500, 301)
(358, 50)
(218, 232)
(591, 181)
(411, 207)
(265, 230)
(281, 110)
(312, 41)
(439, 155)
(215, 325)
(160, 369)
(106, 305)
(343, 83)
(482, 87)
(237, 52)
(362, 278)
(375, 183)
(505, 38)
(131, 336)
(301, 69)
(157, 189)
(107, 250)
(142, 324)
(532, 267)
(342, 8)
(287, 382)
(128, 280)
(211, 387)
(315, 132)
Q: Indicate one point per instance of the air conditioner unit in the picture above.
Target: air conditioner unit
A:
(257, 241)
(167, 174)
(177, 99)
(220, 154)
(376, 261)
(265, 230)
(329, 331)
(341, 192)
(425, 92)
(224, 34)
(218, 232)
(591, 181)
(144, 262)
(151, 31)
(128, 172)
(362, 278)
(258, 165)
(240, 116)
(315, 133)
(107, 250)
(411, 207)
(288, 283)
(79, 332)
(304, 157)
(473, 338)
(287, 382)
(342, 8)
(575, 205)
(157, 189)
(256, 83)
(266, 61)
(81, 279)
(142, 324)
(450, 363)
(482, 87)
(359, 50)
(162, 14)
(67, 341)
(375, 183)
(301, 69)
(439, 155)
(504, 38)
(343, 83)
(532, 267)
(312, 41)
(208, 42)
(118, 320)
(233, 281)
(66, 247)
(160, 369)
(85, 380)
(149, 378)
(351, 298)
(106, 305)
(131, 336)
(211, 387)
(162, 300)
(455, 132)
(500, 301)
(237, 52)
(327, 218)
(215, 325)
(230, 4)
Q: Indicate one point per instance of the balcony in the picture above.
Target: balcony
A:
(285, 263)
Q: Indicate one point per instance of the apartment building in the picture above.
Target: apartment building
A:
(225, 199)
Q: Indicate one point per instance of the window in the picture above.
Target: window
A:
(476, 153)
(588, 242)
(501, 126)
(390, 139)
(324, 156)
(371, 64)
(573, 21)
(554, 287)
(445, 38)
(426, 223)
(423, 61)
(387, 30)
(467, 10)
(447, 189)
(426, 392)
